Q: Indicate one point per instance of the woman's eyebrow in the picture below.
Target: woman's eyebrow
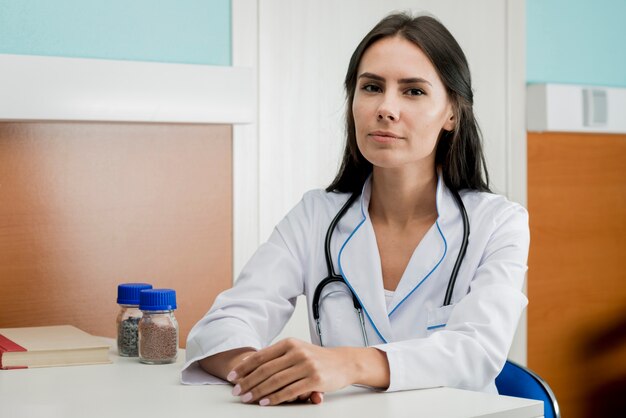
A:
(410, 80)
(372, 76)
(414, 80)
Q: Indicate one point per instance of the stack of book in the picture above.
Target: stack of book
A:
(62, 345)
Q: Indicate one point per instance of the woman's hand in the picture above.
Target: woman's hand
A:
(289, 370)
(292, 369)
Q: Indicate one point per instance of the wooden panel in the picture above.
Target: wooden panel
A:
(577, 279)
(85, 206)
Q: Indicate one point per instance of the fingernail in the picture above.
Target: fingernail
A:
(236, 390)
(264, 402)
(247, 397)
(231, 376)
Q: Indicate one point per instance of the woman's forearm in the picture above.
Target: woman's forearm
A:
(369, 366)
(221, 364)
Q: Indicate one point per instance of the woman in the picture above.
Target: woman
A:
(413, 146)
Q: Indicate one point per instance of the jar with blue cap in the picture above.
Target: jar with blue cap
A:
(158, 328)
(128, 318)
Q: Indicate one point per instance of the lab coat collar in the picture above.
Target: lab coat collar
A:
(447, 209)
(360, 266)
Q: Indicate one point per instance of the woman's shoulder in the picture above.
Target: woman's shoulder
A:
(322, 197)
(492, 206)
(317, 205)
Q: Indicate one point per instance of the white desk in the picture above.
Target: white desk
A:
(127, 388)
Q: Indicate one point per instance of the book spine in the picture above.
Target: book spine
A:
(8, 346)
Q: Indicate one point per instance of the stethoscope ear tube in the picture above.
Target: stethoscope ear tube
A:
(317, 295)
(331, 229)
(457, 265)
(332, 276)
(362, 321)
(316, 307)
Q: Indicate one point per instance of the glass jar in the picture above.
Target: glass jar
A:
(128, 318)
(158, 328)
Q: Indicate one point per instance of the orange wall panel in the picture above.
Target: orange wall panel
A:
(577, 278)
(85, 206)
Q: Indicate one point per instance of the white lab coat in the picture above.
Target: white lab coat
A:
(462, 345)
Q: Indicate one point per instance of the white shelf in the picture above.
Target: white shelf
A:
(77, 89)
(562, 108)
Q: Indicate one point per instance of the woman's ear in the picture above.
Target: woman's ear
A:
(450, 123)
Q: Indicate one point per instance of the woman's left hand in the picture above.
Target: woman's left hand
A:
(292, 369)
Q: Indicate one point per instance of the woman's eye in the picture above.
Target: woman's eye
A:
(415, 92)
(371, 88)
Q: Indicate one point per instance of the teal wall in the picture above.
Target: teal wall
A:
(576, 42)
(180, 31)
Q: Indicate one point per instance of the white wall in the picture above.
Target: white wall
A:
(303, 53)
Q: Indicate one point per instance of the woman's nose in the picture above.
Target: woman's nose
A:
(386, 115)
(388, 111)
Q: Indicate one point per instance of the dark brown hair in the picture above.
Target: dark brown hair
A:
(459, 152)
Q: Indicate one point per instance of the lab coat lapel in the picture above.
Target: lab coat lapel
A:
(424, 263)
(428, 258)
(359, 264)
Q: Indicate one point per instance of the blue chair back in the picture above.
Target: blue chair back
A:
(519, 381)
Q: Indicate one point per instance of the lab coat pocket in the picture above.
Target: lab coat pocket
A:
(438, 318)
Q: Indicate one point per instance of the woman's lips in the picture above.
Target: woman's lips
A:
(383, 136)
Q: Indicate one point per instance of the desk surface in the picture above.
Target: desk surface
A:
(128, 388)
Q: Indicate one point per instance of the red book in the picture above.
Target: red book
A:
(61, 345)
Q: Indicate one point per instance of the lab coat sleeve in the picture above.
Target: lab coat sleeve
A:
(254, 311)
(471, 349)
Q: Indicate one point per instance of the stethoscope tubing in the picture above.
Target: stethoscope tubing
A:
(459, 259)
(329, 234)
(333, 277)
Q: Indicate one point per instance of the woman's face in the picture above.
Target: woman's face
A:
(400, 105)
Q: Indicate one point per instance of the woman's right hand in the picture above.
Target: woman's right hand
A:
(221, 364)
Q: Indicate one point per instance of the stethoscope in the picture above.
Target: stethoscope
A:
(334, 277)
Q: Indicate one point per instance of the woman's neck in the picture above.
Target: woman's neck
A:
(403, 196)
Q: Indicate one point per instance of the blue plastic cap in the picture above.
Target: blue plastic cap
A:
(157, 300)
(128, 293)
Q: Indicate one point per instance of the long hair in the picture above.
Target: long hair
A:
(459, 152)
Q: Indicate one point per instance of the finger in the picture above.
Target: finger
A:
(275, 383)
(263, 373)
(293, 390)
(305, 396)
(232, 376)
(317, 397)
(254, 360)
